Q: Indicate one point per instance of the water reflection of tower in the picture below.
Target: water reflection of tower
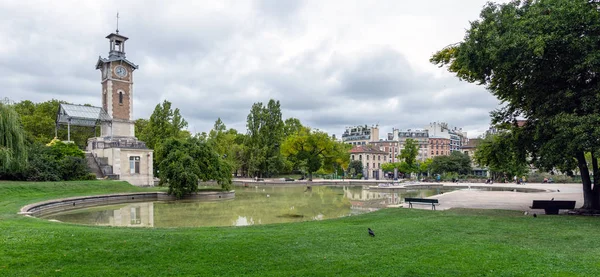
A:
(134, 215)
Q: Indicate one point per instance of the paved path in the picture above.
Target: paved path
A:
(508, 200)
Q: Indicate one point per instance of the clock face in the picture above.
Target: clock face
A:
(120, 71)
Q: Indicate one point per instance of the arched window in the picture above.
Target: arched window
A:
(353, 157)
(360, 157)
(120, 98)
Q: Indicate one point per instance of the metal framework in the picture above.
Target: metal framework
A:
(80, 115)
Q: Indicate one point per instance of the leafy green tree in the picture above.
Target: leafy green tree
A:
(13, 151)
(185, 161)
(498, 153)
(315, 149)
(57, 161)
(264, 138)
(292, 126)
(409, 155)
(541, 59)
(164, 123)
(140, 126)
(425, 166)
(456, 162)
(355, 167)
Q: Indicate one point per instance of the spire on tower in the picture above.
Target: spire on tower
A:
(117, 22)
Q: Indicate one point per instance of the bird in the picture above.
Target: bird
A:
(268, 196)
(526, 213)
(552, 199)
(371, 233)
(534, 215)
(558, 190)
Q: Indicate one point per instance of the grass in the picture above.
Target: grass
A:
(408, 242)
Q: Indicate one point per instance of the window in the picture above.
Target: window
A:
(437, 153)
(431, 152)
(373, 165)
(360, 157)
(367, 157)
(353, 157)
(378, 158)
(378, 165)
(120, 98)
(134, 164)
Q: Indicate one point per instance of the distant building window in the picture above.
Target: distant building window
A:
(378, 158)
(437, 153)
(120, 98)
(431, 152)
(367, 157)
(373, 165)
(378, 165)
(134, 164)
(360, 157)
(353, 157)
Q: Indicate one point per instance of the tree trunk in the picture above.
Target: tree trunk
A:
(596, 188)
(588, 194)
(310, 176)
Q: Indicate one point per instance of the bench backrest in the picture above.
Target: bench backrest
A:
(558, 204)
(422, 200)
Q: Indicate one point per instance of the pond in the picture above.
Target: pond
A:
(251, 206)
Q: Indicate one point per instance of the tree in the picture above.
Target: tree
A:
(164, 123)
(227, 144)
(541, 59)
(264, 138)
(292, 126)
(185, 161)
(409, 155)
(498, 153)
(314, 149)
(13, 151)
(456, 162)
(355, 167)
(39, 123)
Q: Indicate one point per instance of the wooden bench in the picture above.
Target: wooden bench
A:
(289, 179)
(421, 200)
(552, 206)
(260, 179)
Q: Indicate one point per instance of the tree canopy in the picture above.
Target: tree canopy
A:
(264, 138)
(13, 151)
(186, 161)
(315, 149)
(498, 153)
(541, 59)
(456, 162)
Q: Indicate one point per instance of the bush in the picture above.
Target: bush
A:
(55, 163)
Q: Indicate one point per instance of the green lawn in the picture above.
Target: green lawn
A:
(408, 243)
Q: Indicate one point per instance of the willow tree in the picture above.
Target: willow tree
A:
(541, 59)
(13, 152)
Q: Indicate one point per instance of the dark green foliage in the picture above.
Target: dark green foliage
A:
(60, 161)
(541, 59)
(498, 153)
(164, 123)
(355, 167)
(456, 162)
(264, 138)
(184, 162)
(13, 151)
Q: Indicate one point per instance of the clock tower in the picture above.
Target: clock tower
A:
(117, 151)
(117, 88)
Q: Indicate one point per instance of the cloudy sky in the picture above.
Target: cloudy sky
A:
(331, 63)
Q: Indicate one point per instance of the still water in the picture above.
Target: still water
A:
(251, 206)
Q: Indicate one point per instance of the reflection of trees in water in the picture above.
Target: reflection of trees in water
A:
(252, 206)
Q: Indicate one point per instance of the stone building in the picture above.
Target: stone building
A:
(117, 151)
(444, 139)
(371, 158)
(421, 137)
(390, 147)
(360, 135)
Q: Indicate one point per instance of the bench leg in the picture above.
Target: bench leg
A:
(410, 205)
(432, 206)
(551, 211)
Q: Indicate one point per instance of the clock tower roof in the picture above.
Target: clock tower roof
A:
(116, 51)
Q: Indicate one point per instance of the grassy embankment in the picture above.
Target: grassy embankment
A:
(408, 243)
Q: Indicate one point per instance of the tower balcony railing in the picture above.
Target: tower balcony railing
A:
(119, 144)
